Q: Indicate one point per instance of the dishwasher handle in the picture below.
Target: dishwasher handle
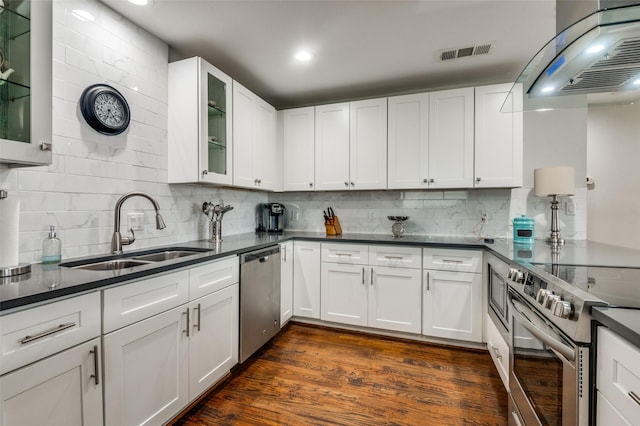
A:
(260, 255)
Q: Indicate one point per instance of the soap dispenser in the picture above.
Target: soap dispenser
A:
(51, 248)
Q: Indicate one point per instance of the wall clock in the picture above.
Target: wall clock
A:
(105, 109)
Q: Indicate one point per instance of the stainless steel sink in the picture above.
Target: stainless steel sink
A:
(165, 255)
(130, 260)
(111, 265)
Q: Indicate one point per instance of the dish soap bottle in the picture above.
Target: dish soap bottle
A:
(51, 248)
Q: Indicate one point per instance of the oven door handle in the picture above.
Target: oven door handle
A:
(568, 352)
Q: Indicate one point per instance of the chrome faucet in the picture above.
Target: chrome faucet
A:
(117, 241)
(215, 214)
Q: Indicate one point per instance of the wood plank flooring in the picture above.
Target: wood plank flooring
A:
(320, 376)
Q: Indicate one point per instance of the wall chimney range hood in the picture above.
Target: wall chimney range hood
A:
(598, 54)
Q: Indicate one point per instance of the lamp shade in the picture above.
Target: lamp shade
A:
(554, 181)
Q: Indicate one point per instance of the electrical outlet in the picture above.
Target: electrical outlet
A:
(135, 221)
(371, 217)
(570, 208)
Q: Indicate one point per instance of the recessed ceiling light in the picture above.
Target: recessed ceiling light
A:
(83, 15)
(548, 89)
(303, 56)
(139, 2)
(595, 49)
(637, 82)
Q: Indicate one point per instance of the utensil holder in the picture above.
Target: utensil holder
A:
(332, 226)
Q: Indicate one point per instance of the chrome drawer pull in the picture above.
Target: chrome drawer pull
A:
(452, 261)
(393, 257)
(635, 397)
(61, 327)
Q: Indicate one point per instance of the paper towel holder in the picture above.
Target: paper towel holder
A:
(10, 271)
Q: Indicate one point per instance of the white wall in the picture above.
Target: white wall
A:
(612, 161)
(90, 171)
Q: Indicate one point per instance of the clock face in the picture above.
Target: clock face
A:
(105, 109)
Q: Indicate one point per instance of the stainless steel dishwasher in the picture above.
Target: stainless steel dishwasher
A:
(259, 299)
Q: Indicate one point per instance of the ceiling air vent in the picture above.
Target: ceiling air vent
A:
(464, 52)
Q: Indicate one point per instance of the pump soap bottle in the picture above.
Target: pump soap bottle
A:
(51, 248)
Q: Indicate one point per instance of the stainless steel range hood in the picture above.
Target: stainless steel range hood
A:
(598, 54)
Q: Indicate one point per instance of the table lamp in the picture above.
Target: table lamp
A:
(554, 182)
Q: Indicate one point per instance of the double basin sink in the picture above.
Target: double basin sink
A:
(117, 262)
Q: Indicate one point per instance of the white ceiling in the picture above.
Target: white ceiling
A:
(361, 48)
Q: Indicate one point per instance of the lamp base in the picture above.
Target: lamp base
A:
(554, 241)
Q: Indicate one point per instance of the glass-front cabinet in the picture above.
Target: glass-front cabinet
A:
(25, 82)
(200, 142)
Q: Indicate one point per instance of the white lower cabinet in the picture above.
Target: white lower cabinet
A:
(452, 305)
(357, 290)
(306, 279)
(286, 282)
(157, 365)
(146, 368)
(63, 389)
(617, 379)
(213, 339)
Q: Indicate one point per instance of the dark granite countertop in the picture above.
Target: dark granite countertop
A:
(46, 282)
(625, 322)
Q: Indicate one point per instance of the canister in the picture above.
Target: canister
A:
(523, 230)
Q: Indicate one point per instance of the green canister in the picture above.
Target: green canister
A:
(523, 230)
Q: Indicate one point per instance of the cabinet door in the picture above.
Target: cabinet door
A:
(26, 100)
(244, 118)
(199, 127)
(298, 135)
(344, 293)
(306, 279)
(451, 138)
(286, 282)
(368, 144)
(498, 137)
(145, 370)
(394, 299)
(213, 347)
(452, 305)
(408, 162)
(63, 389)
(332, 147)
(267, 154)
(498, 349)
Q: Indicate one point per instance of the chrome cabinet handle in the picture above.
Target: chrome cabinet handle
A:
(496, 351)
(393, 257)
(635, 397)
(425, 180)
(371, 276)
(205, 172)
(197, 326)
(353, 184)
(432, 180)
(61, 327)
(452, 261)
(187, 314)
(363, 275)
(310, 184)
(478, 179)
(346, 183)
(284, 254)
(427, 281)
(95, 374)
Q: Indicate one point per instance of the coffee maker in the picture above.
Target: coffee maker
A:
(270, 218)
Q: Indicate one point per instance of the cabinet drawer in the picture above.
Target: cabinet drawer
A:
(36, 333)
(607, 413)
(213, 276)
(400, 257)
(136, 301)
(352, 254)
(618, 373)
(498, 349)
(452, 260)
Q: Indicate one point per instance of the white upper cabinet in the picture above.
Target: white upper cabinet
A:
(368, 144)
(256, 153)
(451, 138)
(408, 142)
(298, 134)
(25, 98)
(199, 127)
(350, 145)
(498, 137)
(332, 146)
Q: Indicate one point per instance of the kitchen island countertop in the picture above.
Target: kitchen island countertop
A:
(46, 282)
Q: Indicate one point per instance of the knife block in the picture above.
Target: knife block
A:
(332, 226)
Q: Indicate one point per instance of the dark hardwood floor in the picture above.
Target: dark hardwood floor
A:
(320, 376)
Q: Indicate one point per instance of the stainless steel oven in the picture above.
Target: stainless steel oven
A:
(499, 275)
(548, 371)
